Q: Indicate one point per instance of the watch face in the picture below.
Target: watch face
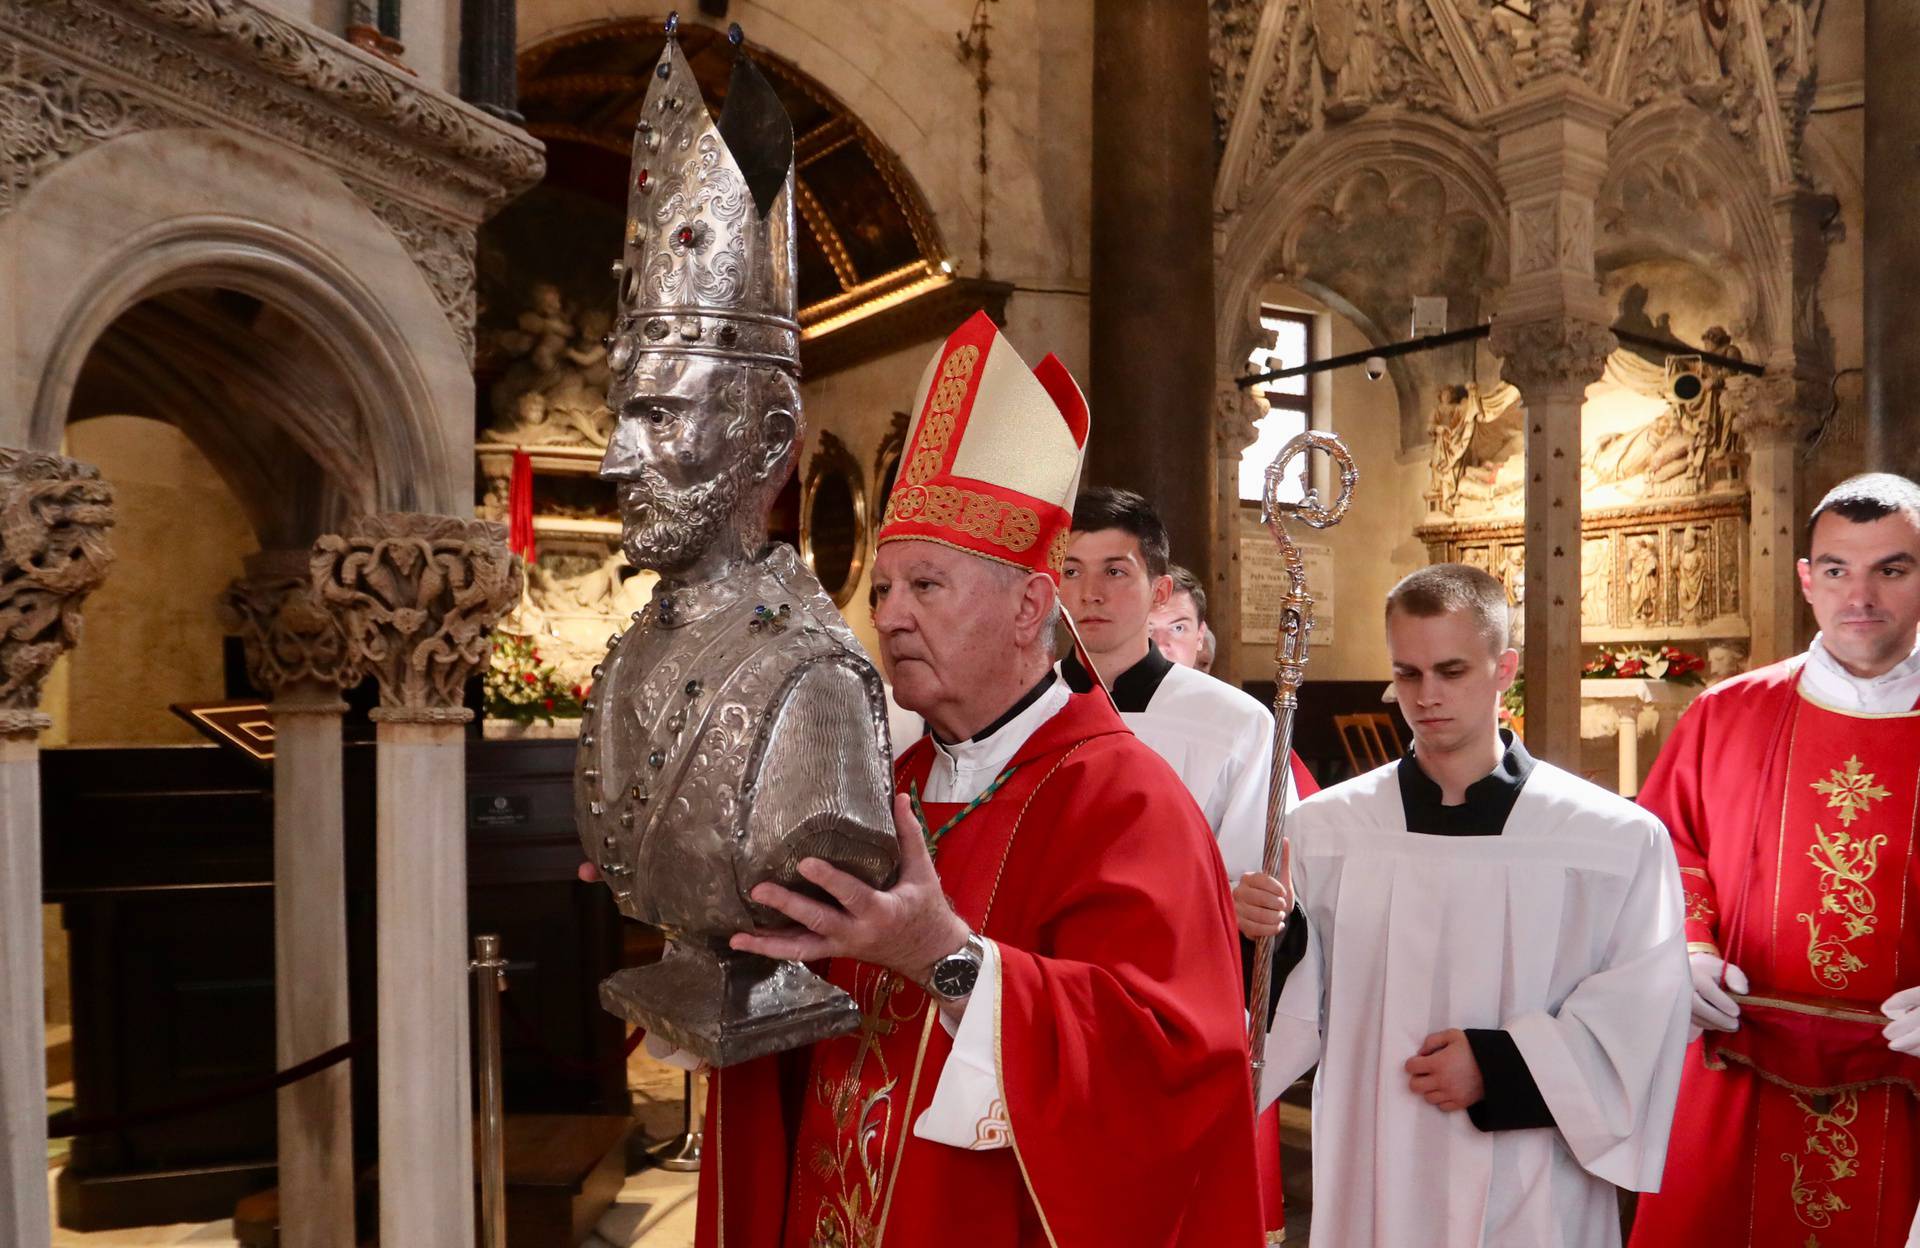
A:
(955, 976)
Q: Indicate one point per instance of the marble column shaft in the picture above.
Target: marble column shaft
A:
(416, 596)
(54, 514)
(23, 1039)
(315, 1121)
(298, 654)
(1551, 334)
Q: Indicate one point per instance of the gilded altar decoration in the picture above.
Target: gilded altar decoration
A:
(1849, 790)
(1846, 865)
(1827, 1159)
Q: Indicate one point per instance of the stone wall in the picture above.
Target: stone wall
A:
(150, 635)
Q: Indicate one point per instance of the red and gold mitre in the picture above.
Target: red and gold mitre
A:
(992, 461)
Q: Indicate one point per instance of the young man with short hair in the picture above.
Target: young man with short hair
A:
(1791, 793)
(1495, 979)
(1217, 737)
(1178, 627)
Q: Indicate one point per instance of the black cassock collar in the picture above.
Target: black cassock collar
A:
(1489, 801)
(1132, 689)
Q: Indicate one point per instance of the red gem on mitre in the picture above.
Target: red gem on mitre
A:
(640, 180)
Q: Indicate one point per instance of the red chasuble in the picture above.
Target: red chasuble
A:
(1795, 827)
(1121, 1038)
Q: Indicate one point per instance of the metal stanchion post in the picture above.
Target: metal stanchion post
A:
(489, 979)
(683, 1151)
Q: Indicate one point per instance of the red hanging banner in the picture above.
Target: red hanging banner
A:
(520, 507)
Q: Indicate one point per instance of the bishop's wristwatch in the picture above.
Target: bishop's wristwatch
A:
(953, 977)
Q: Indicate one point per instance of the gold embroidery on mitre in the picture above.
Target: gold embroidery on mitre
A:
(1846, 863)
(936, 430)
(1851, 790)
(1828, 1157)
(976, 515)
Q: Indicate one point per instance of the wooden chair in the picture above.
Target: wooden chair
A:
(1370, 740)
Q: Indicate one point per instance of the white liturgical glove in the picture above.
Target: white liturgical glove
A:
(1903, 1033)
(1713, 1008)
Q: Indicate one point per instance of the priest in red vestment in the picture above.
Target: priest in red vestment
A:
(1791, 793)
(1052, 1046)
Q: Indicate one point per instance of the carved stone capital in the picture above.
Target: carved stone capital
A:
(1234, 411)
(416, 596)
(293, 642)
(1772, 410)
(54, 517)
(1551, 356)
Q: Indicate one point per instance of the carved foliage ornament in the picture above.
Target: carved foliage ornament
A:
(289, 635)
(417, 596)
(1554, 353)
(54, 517)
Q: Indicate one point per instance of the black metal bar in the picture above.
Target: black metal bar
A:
(1409, 347)
(1671, 346)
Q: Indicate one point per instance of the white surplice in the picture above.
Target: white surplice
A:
(1219, 740)
(1565, 931)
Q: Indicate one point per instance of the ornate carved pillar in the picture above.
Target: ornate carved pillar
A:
(1769, 414)
(1233, 432)
(297, 653)
(1552, 335)
(416, 596)
(1552, 362)
(54, 514)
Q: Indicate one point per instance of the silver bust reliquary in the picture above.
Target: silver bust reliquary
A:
(737, 727)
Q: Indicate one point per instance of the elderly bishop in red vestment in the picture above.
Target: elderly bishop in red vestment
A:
(1052, 1044)
(1791, 793)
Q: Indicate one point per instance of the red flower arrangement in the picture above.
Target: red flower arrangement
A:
(521, 688)
(1682, 667)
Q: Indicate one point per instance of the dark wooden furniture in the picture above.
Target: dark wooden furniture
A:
(1316, 738)
(162, 861)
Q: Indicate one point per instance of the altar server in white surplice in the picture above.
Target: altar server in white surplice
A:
(1495, 984)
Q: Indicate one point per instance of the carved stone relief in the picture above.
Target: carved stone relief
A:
(290, 636)
(84, 72)
(553, 392)
(54, 517)
(1651, 573)
(416, 596)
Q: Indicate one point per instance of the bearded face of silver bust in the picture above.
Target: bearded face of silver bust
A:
(700, 449)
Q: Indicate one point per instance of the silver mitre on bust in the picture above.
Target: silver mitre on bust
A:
(737, 727)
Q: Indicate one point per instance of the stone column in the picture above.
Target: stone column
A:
(298, 655)
(1768, 413)
(54, 514)
(489, 75)
(1553, 338)
(416, 596)
(1892, 239)
(1233, 433)
(1152, 311)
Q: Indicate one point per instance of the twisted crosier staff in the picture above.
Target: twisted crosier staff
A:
(1289, 669)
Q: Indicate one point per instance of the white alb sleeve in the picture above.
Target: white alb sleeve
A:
(966, 1110)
